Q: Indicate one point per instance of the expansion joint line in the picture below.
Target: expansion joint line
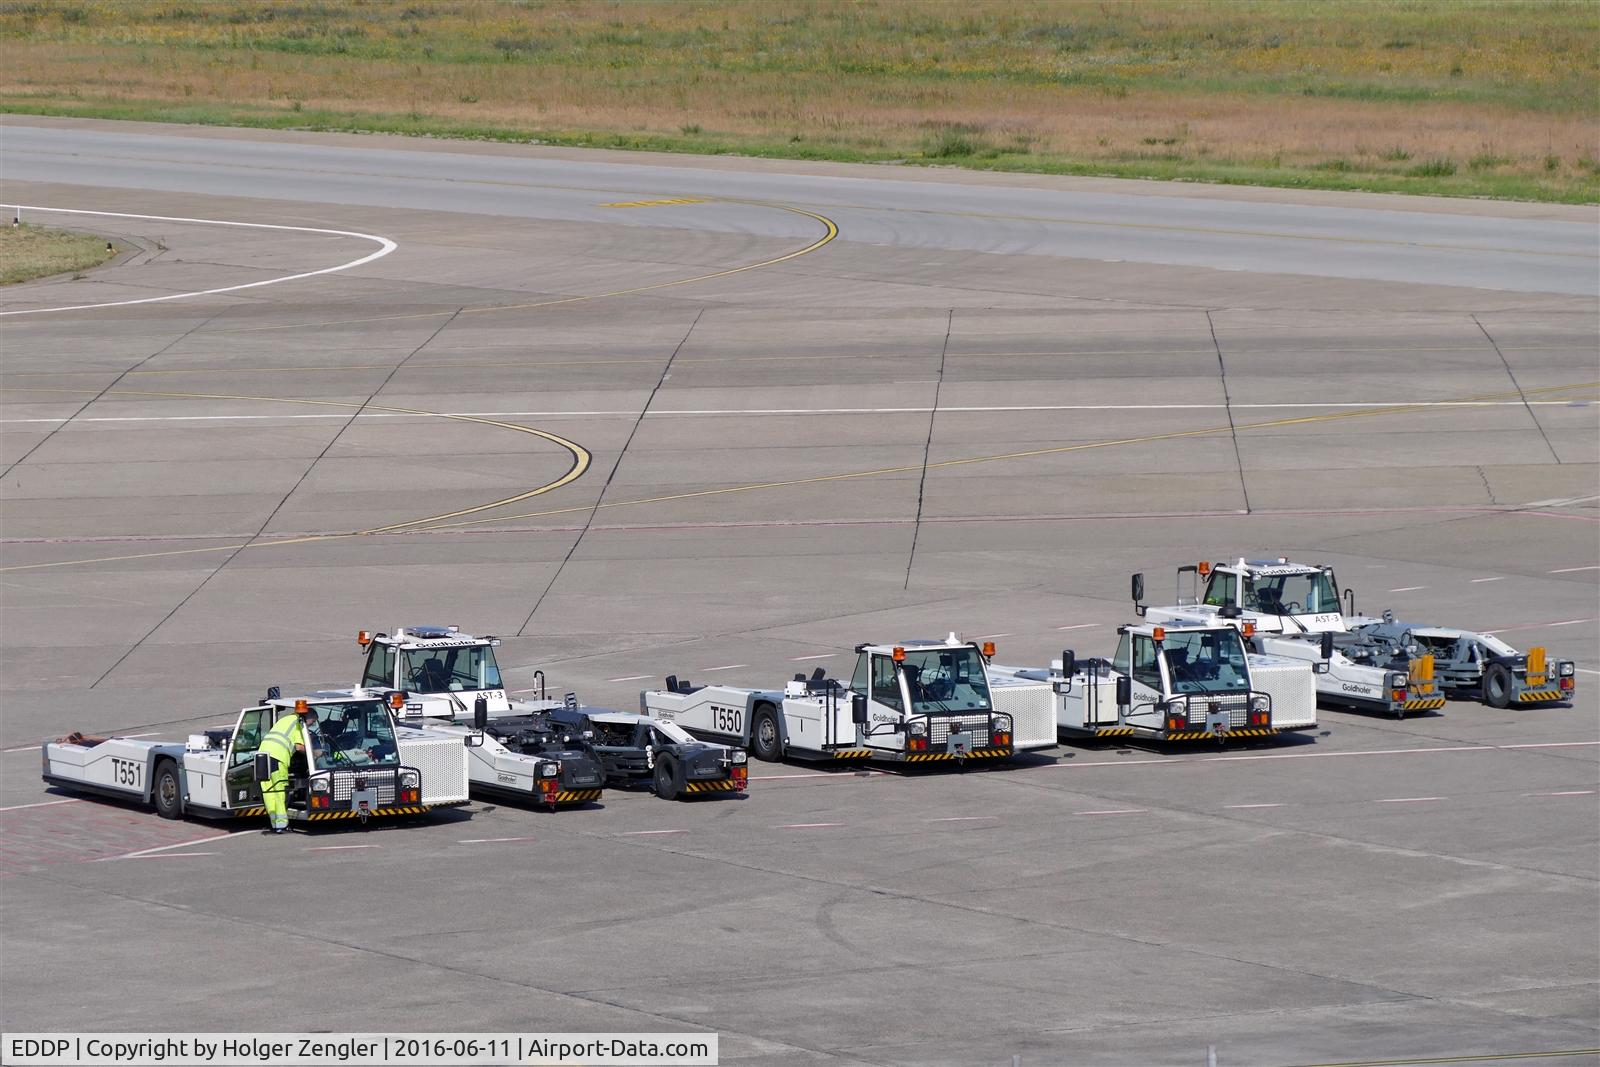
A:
(1537, 425)
(588, 521)
(267, 521)
(1227, 404)
(927, 446)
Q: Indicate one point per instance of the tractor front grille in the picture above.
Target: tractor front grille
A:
(976, 727)
(344, 784)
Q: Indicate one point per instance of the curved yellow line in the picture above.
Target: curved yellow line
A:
(830, 231)
(581, 459)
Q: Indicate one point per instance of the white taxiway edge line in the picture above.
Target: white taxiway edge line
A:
(222, 836)
(1573, 570)
(720, 412)
(44, 804)
(385, 246)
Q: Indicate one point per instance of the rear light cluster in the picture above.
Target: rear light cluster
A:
(740, 775)
(549, 786)
(1566, 683)
(916, 744)
(1175, 723)
(1397, 695)
(319, 801)
(410, 787)
(1001, 740)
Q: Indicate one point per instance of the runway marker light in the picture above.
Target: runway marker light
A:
(899, 654)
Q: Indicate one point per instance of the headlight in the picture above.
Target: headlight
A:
(1399, 681)
(410, 779)
(1259, 702)
(1567, 669)
(917, 728)
(1002, 724)
(738, 755)
(319, 785)
(547, 770)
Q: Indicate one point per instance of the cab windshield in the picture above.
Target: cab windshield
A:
(1291, 594)
(946, 679)
(1210, 661)
(353, 733)
(446, 670)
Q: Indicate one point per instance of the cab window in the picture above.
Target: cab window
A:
(380, 667)
(886, 683)
(858, 680)
(1119, 662)
(1222, 590)
(248, 737)
(1146, 671)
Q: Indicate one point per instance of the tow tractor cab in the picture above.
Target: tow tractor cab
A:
(917, 701)
(450, 684)
(442, 670)
(360, 764)
(1293, 610)
(1169, 683)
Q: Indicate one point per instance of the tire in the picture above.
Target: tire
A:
(166, 792)
(766, 740)
(1497, 686)
(666, 780)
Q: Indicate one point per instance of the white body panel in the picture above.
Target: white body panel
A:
(1032, 710)
(441, 759)
(1292, 686)
(1346, 681)
(123, 766)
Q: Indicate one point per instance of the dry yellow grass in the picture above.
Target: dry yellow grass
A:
(1467, 97)
(29, 252)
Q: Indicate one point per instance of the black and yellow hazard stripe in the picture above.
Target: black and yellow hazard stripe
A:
(324, 816)
(1423, 704)
(853, 753)
(1200, 735)
(977, 753)
(1114, 731)
(1534, 696)
(726, 785)
(572, 796)
(241, 813)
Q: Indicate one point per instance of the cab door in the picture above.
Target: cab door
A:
(1144, 672)
(241, 790)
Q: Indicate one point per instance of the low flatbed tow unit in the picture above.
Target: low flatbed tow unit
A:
(913, 702)
(1173, 683)
(362, 764)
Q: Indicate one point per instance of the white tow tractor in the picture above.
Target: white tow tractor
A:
(451, 685)
(913, 702)
(1172, 683)
(361, 764)
(1293, 610)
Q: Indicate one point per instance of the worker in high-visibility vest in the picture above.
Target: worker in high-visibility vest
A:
(287, 736)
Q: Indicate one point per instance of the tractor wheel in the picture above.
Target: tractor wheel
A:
(167, 793)
(1497, 686)
(666, 780)
(766, 742)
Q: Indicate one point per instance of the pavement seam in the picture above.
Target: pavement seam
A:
(1227, 404)
(927, 445)
(666, 372)
(1518, 385)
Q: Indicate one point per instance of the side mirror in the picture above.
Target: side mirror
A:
(1138, 588)
(480, 714)
(1321, 667)
(473, 740)
(1069, 663)
(858, 708)
(1124, 691)
(274, 693)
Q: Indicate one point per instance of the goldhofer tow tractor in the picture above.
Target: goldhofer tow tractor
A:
(1173, 683)
(1479, 666)
(913, 702)
(1292, 610)
(451, 685)
(361, 765)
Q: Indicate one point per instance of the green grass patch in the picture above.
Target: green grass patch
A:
(1473, 96)
(28, 252)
